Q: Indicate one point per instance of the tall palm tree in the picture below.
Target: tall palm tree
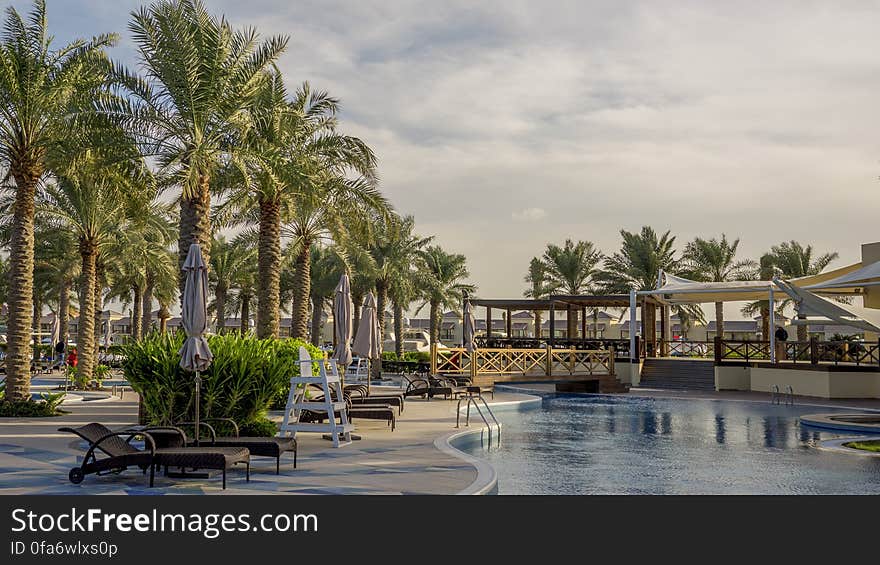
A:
(190, 109)
(538, 288)
(160, 267)
(228, 259)
(326, 269)
(44, 94)
(443, 284)
(303, 161)
(793, 259)
(637, 265)
(764, 270)
(392, 249)
(714, 260)
(570, 270)
(57, 256)
(94, 205)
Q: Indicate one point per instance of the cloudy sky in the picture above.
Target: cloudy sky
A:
(502, 126)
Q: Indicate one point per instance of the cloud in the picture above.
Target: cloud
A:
(529, 215)
(750, 118)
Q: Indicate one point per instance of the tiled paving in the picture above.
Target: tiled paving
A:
(35, 458)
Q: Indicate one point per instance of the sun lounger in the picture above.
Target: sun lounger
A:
(258, 446)
(429, 387)
(120, 454)
(376, 411)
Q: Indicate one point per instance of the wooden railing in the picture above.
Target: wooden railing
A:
(678, 348)
(508, 361)
(812, 352)
(619, 346)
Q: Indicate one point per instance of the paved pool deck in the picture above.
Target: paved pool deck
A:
(35, 458)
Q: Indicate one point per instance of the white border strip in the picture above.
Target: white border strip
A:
(487, 477)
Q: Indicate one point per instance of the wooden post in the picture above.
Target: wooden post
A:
(663, 325)
(433, 358)
(488, 322)
(549, 360)
(509, 325)
(552, 326)
(474, 355)
(584, 323)
(814, 351)
(719, 343)
(568, 324)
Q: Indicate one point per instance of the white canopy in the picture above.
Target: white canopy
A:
(851, 281)
(812, 305)
(679, 290)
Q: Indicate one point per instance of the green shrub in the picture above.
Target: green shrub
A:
(29, 409)
(389, 356)
(261, 427)
(245, 378)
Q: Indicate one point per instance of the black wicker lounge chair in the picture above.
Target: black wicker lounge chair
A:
(120, 454)
(360, 394)
(428, 387)
(258, 446)
(364, 411)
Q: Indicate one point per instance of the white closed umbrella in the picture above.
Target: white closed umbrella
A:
(366, 342)
(195, 355)
(468, 327)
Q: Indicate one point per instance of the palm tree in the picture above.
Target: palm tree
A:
(57, 256)
(190, 110)
(714, 260)
(44, 94)
(392, 249)
(443, 284)
(792, 260)
(301, 168)
(637, 265)
(160, 267)
(228, 259)
(538, 288)
(570, 270)
(326, 269)
(94, 205)
(765, 270)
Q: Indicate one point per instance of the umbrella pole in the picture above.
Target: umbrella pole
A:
(198, 383)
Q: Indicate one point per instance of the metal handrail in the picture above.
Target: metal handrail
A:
(790, 391)
(472, 399)
(774, 394)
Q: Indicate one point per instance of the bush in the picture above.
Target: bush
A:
(413, 356)
(261, 427)
(245, 378)
(29, 409)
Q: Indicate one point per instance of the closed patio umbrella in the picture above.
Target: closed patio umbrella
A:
(195, 355)
(468, 327)
(342, 325)
(366, 342)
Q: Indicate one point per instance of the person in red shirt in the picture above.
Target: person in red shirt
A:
(71, 358)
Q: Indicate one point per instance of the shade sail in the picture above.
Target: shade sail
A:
(812, 305)
(850, 282)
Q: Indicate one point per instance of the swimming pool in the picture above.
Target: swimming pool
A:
(582, 444)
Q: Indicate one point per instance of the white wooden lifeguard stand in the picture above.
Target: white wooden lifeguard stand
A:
(297, 402)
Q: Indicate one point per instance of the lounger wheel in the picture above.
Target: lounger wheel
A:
(76, 475)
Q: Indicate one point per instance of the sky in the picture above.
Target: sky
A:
(504, 125)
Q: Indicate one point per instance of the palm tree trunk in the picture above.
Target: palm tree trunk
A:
(164, 315)
(357, 299)
(220, 305)
(195, 226)
(269, 265)
(398, 329)
(538, 323)
(317, 319)
(136, 310)
(64, 312)
(381, 301)
(21, 281)
(302, 288)
(245, 300)
(719, 319)
(435, 321)
(802, 333)
(572, 320)
(85, 338)
(595, 323)
(99, 307)
(35, 327)
(147, 307)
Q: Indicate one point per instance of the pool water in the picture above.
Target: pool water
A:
(626, 445)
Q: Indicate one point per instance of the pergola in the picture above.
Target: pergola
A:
(569, 303)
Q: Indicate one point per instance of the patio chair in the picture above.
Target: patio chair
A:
(360, 395)
(365, 411)
(258, 446)
(120, 454)
(428, 387)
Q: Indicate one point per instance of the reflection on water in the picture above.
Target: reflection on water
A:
(600, 444)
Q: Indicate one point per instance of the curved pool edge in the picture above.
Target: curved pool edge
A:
(836, 445)
(487, 477)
